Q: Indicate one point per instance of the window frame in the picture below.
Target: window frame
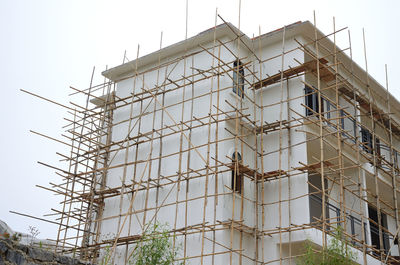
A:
(238, 79)
(236, 176)
(311, 101)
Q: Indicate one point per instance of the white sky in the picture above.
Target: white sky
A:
(46, 46)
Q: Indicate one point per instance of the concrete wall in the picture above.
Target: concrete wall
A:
(180, 159)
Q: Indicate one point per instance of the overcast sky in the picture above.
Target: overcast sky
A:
(46, 46)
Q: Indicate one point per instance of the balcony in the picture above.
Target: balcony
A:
(353, 229)
(351, 129)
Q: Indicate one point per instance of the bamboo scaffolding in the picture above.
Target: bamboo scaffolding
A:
(130, 169)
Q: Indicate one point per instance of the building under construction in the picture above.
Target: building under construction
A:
(247, 147)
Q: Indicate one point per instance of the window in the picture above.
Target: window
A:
(315, 200)
(237, 177)
(366, 140)
(311, 101)
(396, 159)
(378, 147)
(342, 119)
(238, 79)
(374, 229)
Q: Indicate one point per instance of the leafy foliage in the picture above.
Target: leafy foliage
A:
(106, 256)
(16, 237)
(154, 248)
(337, 252)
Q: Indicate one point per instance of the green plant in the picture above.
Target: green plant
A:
(337, 252)
(106, 256)
(154, 248)
(16, 237)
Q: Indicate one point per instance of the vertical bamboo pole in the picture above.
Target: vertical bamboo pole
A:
(321, 139)
(280, 145)
(392, 153)
(339, 130)
(155, 126)
(262, 156)
(160, 153)
(216, 138)
(75, 167)
(63, 212)
(289, 155)
(108, 112)
(362, 195)
(210, 93)
(236, 163)
(126, 157)
(154, 114)
(83, 221)
(188, 162)
(181, 132)
(378, 203)
(242, 188)
(256, 178)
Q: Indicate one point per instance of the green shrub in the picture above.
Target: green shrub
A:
(154, 248)
(337, 252)
(16, 237)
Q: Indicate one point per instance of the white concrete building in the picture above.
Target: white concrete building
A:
(237, 143)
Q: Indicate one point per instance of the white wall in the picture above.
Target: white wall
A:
(187, 154)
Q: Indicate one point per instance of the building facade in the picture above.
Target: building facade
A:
(246, 149)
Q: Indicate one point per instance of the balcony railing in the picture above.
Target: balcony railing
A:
(351, 129)
(354, 224)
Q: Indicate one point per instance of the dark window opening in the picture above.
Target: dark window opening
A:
(366, 139)
(374, 229)
(396, 159)
(237, 177)
(312, 102)
(315, 201)
(378, 151)
(342, 115)
(238, 79)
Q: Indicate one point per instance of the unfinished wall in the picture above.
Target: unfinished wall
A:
(160, 140)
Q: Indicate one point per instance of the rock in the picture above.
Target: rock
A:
(64, 259)
(23, 248)
(12, 253)
(15, 257)
(41, 255)
(3, 247)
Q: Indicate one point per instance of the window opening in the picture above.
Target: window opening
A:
(312, 101)
(237, 177)
(374, 229)
(238, 79)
